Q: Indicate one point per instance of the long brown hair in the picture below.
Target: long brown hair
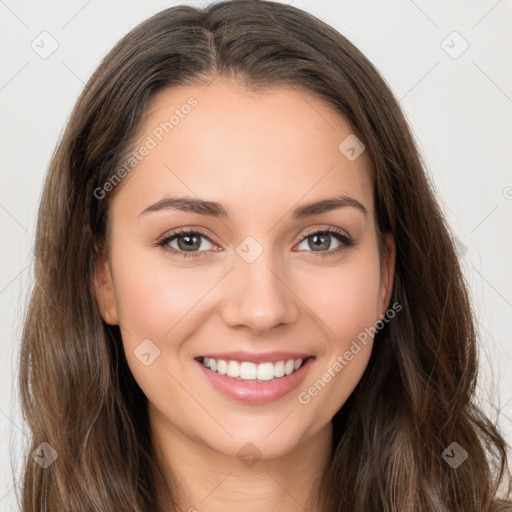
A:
(416, 396)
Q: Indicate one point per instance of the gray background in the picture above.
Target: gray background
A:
(459, 107)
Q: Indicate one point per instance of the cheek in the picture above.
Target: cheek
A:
(347, 304)
(154, 297)
(355, 302)
(157, 304)
(160, 303)
(345, 299)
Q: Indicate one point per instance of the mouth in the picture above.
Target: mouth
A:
(255, 382)
(248, 371)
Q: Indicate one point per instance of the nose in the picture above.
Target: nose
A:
(259, 296)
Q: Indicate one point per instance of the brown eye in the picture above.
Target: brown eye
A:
(321, 242)
(185, 243)
(188, 242)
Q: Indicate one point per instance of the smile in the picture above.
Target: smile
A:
(251, 372)
(258, 381)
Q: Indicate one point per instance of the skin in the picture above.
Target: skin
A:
(260, 155)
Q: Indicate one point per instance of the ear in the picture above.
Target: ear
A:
(105, 292)
(387, 269)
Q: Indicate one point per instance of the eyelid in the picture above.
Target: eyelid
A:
(201, 231)
(165, 239)
(325, 228)
(343, 237)
(187, 230)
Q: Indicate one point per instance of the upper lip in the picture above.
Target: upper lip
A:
(253, 357)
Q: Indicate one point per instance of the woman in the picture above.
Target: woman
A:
(246, 294)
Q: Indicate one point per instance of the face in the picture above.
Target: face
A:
(257, 280)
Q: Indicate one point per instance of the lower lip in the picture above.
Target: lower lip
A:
(254, 392)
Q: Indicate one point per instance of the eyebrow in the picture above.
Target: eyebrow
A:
(215, 209)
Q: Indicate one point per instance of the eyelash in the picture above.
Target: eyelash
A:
(340, 235)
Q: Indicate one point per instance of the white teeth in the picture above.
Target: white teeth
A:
(279, 369)
(248, 371)
(222, 366)
(251, 371)
(233, 369)
(288, 367)
(265, 371)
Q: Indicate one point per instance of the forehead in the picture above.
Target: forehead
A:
(222, 141)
